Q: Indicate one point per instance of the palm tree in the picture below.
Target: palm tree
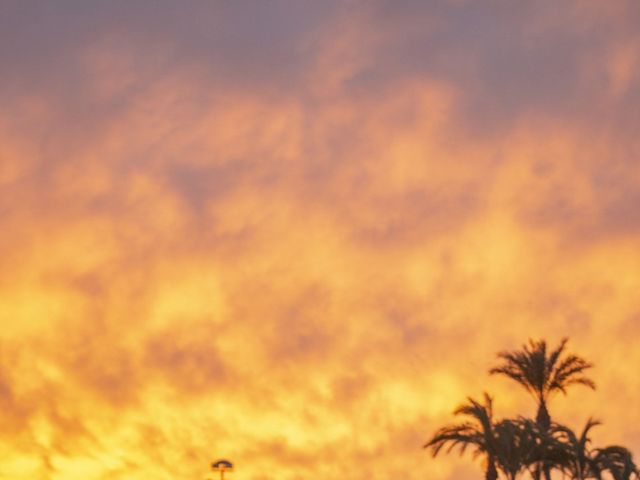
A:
(618, 461)
(516, 446)
(581, 462)
(543, 374)
(543, 450)
(585, 463)
(477, 433)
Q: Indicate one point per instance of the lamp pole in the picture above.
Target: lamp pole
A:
(222, 466)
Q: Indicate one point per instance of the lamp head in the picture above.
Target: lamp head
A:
(222, 466)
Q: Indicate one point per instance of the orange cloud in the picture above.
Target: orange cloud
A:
(298, 238)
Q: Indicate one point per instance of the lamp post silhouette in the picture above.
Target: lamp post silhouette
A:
(222, 466)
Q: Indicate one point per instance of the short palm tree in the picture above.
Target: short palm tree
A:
(476, 432)
(580, 463)
(618, 461)
(516, 446)
(543, 373)
(545, 450)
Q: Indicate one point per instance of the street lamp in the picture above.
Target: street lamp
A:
(222, 466)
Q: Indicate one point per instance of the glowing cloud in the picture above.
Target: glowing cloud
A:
(296, 235)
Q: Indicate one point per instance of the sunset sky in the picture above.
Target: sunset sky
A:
(295, 233)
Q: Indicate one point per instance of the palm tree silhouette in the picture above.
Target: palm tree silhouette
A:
(523, 445)
(543, 374)
(618, 461)
(513, 446)
(477, 433)
(580, 463)
(585, 463)
(516, 446)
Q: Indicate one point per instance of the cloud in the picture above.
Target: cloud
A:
(295, 235)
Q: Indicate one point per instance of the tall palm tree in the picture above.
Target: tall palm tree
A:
(543, 373)
(476, 432)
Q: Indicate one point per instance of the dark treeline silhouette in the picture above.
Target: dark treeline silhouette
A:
(513, 447)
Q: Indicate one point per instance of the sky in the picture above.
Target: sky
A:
(295, 233)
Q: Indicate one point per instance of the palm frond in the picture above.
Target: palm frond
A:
(581, 459)
(542, 372)
(475, 433)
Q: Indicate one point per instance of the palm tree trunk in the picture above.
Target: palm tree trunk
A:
(492, 472)
(543, 419)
